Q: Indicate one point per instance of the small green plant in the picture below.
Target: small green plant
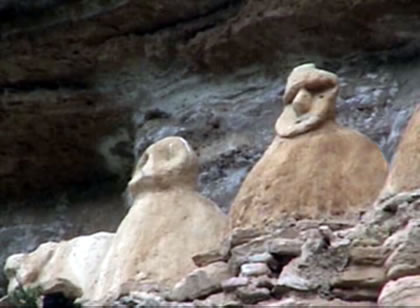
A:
(27, 298)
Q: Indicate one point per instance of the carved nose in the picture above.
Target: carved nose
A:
(302, 102)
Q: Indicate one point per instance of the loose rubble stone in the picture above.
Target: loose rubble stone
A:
(264, 257)
(315, 302)
(405, 246)
(357, 294)
(319, 263)
(201, 282)
(254, 269)
(404, 292)
(142, 299)
(254, 247)
(218, 300)
(233, 283)
(320, 250)
(333, 224)
(359, 277)
(285, 247)
(294, 282)
(287, 302)
(252, 295)
(209, 257)
(241, 236)
(264, 282)
(400, 201)
(367, 255)
(241, 253)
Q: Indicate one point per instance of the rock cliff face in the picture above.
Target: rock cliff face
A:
(87, 85)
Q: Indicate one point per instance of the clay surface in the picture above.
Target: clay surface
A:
(405, 166)
(314, 168)
(168, 224)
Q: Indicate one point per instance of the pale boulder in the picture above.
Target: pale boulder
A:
(403, 292)
(314, 167)
(201, 282)
(168, 224)
(68, 266)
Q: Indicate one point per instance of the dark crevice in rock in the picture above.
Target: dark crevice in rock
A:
(229, 5)
(405, 52)
(186, 29)
(25, 16)
(19, 24)
(31, 85)
(12, 9)
(58, 299)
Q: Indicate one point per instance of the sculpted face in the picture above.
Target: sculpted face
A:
(169, 162)
(309, 101)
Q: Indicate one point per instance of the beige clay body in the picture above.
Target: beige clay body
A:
(167, 225)
(314, 167)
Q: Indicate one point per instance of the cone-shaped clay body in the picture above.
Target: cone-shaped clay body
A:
(404, 175)
(314, 168)
(167, 225)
